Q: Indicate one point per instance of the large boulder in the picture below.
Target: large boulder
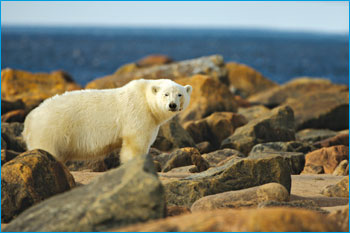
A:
(325, 159)
(277, 125)
(129, 194)
(233, 175)
(249, 197)
(247, 81)
(29, 179)
(34, 88)
(11, 133)
(244, 220)
(211, 65)
(294, 89)
(208, 96)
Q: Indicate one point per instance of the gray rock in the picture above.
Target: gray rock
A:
(292, 146)
(342, 169)
(216, 157)
(253, 112)
(340, 189)
(11, 133)
(129, 194)
(314, 135)
(277, 125)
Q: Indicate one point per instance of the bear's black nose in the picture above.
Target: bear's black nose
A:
(172, 106)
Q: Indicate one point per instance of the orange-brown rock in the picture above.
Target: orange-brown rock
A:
(340, 139)
(246, 80)
(174, 210)
(32, 88)
(30, 178)
(154, 59)
(208, 96)
(251, 220)
(212, 66)
(327, 158)
(341, 217)
(295, 89)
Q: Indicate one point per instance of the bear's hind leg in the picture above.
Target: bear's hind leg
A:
(132, 148)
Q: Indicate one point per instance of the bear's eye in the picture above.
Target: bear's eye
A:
(166, 94)
(179, 95)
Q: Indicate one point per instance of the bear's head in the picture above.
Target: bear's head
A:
(170, 96)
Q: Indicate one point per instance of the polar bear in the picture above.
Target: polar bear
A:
(87, 124)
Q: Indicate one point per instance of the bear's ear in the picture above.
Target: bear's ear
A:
(155, 89)
(188, 89)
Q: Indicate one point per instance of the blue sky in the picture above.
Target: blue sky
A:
(330, 17)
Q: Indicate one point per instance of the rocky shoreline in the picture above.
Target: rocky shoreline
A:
(246, 155)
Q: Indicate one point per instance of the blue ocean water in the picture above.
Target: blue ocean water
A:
(89, 53)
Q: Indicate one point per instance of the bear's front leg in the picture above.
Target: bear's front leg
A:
(133, 147)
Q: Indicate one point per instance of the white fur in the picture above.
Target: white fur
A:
(91, 123)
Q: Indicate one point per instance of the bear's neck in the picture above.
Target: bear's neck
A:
(160, 117)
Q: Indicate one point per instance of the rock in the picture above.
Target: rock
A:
(342, 169)
(236, 175)
(340, 139)
(277, 125)
(186, 156)
(14, 116)
(204, 147)
(292, 146)
(215, 127)
(253, 112)
(243, 220)
(303, 204)
(171, 135)
(177, 210)
(212, 66)
(250, 197)
(7, 155)
(34, 88)
(340, 189)
(215, 157)
(321, 110)
(154, 59)
(8, 106)
(246, 80)
(242, 103)
(30, 178)
(294, 89)
(96, 165)
(328, 158)
(208, 96)
(129, 194)
(314, 135)
(11, 133)
(3, 144)
(296, 160)
(341, 217)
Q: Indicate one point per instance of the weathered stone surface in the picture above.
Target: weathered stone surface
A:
(294, 89)
(95, 165)
(14, 116)
(186, 156)
(247, 81)
(296, 160)
(208, 96)
(341, 217)
(253, 112)
(277, 125)
(34, 88)
(177, 210)
(250, 197)
(129, 194)
(340, 139)
(215, 157)
(7, 155)
(328, 158)
(154, 59)
(7, 106)
(321, 110)
(314, 135)
(30, 178)
(215, 127)
(204, 147)
(342, 169)
(243, 220)
(11, 133)
(171, 135)
(292, 146)
(303, 204)
(241, 102)
(236, 175)
(340, 189)
(211, 65)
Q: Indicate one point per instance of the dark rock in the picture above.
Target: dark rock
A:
(277, 125)
(29, 179)
(340, 189)
(7, 155)
(215, 157)
(236, 175)
(340, 139)
(292, 146)
(204, 147)
(314, 135)
(129, 194)
(14, 116)
(249, 197)
(12, 135)
(8, 106)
